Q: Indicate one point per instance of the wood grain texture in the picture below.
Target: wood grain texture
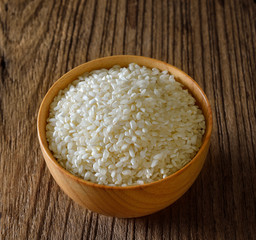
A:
(213, 41)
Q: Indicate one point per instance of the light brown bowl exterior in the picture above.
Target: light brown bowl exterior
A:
(131, 201)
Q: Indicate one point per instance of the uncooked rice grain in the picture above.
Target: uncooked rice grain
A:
(124, 126)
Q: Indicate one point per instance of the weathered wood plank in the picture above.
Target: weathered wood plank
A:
(213, 41)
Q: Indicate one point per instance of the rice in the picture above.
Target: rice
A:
(124, 126)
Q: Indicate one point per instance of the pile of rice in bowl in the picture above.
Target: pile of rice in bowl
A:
(124, 126)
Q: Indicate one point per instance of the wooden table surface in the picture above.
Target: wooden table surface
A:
(213, 41)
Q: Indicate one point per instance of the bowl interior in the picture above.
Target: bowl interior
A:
(123, 61)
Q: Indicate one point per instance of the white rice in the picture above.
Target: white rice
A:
(124, 126)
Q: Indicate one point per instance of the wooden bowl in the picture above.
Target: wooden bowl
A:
(130, 201)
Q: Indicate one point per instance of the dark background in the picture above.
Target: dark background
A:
(213, 41)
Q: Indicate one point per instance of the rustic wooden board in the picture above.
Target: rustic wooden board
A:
(213, 41)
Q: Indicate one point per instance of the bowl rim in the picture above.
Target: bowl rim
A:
(44, 147)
